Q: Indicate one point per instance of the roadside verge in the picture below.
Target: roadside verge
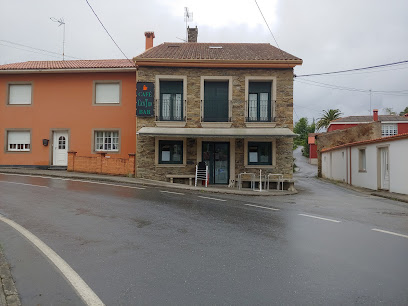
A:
(8, 291)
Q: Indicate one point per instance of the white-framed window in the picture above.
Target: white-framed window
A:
(18, 141)
(107, 92)
(362, 160)
(19, 94)
(389, 129)
(106, 141)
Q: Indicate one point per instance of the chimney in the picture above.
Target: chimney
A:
(375, 114)
(192, 34)
(149, 39)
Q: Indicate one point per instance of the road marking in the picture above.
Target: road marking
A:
(74, 180)
(83, 290)
(261, 207)
(215, 199)
(24, 184)
(391, 233)
(172, 192)
(310, 216)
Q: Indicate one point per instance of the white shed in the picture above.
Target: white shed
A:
(379, 164)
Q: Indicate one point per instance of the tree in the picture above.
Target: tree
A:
(405, 111)
(303, 128)
(389, 111)
(328, 116)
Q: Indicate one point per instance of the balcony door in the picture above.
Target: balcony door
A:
(216, 101)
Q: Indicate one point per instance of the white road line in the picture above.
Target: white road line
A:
(261, 207)
(74, 180)
(310, 216)
(215, 199)
(24, 184)
(391, 233)
(172, 192)
(83, 290)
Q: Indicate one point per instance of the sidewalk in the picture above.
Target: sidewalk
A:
(8, 291)
(379, 193)
(138, 181)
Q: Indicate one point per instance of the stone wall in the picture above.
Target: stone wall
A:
(145, 164)
(339, 137)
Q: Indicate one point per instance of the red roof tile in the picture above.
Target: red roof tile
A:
(361, 119)
(217, 51)
(357, 143)
(77, 64)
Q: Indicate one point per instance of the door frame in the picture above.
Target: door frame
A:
(231, 154)
(51, 143)
(379, 166)
(229, 159)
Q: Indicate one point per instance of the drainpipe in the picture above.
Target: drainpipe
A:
(350, 165)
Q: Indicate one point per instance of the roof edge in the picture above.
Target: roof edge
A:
(62, 70)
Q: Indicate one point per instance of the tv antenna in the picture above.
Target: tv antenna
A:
(61, 23)
(188, 16)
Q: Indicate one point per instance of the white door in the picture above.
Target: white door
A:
(60, 150)
(385, 169)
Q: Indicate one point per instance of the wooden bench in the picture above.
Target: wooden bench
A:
(190, 177)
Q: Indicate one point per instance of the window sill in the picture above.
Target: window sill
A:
(11, 151)
(170, 123)
(260, 166)
(216, 124)
(170, 165)
(362, 171)
(260, 124)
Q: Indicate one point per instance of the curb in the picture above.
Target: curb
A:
(143, 182)
(8, 291)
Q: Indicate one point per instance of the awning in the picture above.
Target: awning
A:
(216, 132)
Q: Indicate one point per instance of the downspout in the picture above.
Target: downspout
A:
(350, 164)
(136, 155)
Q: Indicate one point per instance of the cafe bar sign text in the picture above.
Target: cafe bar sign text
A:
(144, 99)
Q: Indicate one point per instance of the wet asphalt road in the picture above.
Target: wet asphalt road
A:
(149, 247)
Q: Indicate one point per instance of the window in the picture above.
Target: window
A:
(18, 141)
(389, 129)
(171, 100)
(19, 94)
(259, 102)
(107, 92)
(170, 152)
(61, 143)
(362, 160)
(216, 104)
(107, 141)
(259, 153)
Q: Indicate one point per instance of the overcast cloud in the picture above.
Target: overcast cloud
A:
(327, 35)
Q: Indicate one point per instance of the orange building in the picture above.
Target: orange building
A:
(50, 108)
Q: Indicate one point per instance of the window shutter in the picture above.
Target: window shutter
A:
(19, 137)
(20, 94)
(107, 93)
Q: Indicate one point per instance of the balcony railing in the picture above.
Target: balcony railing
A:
(215, 111)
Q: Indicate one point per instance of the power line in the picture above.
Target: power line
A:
(283, 56)
(38, 49)
(108, 33)
(332, 86)
(355, 69)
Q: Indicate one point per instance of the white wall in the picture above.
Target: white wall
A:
(336, 167)
(398, 155)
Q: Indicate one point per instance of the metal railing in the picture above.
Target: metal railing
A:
(211, 111)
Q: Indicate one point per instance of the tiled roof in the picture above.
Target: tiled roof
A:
(217, 51)
(370, 119)
(77, 64)
(357, 143)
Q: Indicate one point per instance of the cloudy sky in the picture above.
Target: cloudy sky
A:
(327, 35)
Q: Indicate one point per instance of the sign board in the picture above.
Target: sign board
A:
(144, 99)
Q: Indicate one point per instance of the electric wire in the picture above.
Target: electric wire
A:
(109, 33)
(30, 50)
(38, 49)
(355, 69)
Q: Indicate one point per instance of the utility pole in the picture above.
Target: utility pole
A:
(61, 23)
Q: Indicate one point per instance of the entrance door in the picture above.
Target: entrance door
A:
(385, 169)
(216, 157)
(60, 149)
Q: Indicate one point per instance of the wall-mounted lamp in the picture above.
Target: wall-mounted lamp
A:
(45, 142)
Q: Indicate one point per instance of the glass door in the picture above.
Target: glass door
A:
(216, 157)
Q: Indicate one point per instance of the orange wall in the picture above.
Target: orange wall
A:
(64, 101)
(402, 128)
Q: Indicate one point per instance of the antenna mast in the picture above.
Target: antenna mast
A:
(61, 23)
(187, 18)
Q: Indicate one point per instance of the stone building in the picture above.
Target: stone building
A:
(227, 104)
